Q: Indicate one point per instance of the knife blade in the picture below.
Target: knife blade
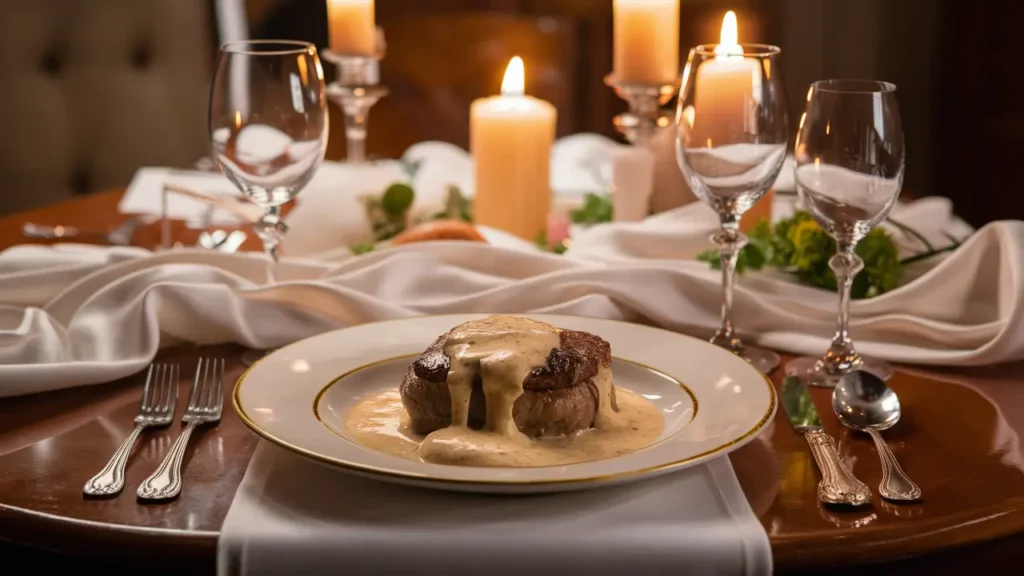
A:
(838, 485)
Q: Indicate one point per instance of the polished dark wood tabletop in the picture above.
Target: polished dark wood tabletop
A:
(959, 439)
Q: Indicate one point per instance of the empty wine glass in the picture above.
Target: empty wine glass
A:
(732, 134)
(849, 170)
(269, 125)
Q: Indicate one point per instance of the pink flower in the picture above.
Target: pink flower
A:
(558, 229)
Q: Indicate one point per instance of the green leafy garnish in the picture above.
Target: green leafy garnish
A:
(457, 207)
(390, 213)
(397, 199)
(799, 246)
(542, 243)
(596, 209)
(363, 248)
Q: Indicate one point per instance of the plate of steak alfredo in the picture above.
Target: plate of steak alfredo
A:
(505, 403)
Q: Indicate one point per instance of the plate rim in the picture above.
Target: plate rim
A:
(595, 479)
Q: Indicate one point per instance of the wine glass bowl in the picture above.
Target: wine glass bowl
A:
(268, 124)
(732, 132)
(849, 156)
(849, 165)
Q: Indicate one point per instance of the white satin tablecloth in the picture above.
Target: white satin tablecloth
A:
(76, 315)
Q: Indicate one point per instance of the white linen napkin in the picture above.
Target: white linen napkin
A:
(292, 515)
(78, 315)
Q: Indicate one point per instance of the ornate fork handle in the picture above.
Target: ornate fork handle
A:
(165, 482)
(896, 485)
(110, 480)
(838, 484)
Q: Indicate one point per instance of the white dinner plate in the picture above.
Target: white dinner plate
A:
(713, 402)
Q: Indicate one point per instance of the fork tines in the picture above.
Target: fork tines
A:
(207, 397)
(161, 390)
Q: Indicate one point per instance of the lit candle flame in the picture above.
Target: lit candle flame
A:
(729, 44)
(514, 83)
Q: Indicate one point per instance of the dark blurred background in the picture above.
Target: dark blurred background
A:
(93, 89)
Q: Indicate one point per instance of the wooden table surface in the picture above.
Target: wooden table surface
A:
(959, 439)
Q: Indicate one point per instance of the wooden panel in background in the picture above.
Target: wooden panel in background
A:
(437, 65)
(979, 116)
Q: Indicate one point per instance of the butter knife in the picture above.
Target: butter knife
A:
(838, 485)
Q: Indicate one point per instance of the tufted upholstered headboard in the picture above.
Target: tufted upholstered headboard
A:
(92, 89)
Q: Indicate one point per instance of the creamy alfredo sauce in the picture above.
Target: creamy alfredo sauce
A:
(503, 350)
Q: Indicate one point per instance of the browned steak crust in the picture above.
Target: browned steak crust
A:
(558, 398)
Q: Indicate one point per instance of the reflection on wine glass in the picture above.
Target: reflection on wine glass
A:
(269, 125)
(849, 171)
(732, 133)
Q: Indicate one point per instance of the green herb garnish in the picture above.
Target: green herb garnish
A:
(542, 243)
(397, 199)
(457, 207)
(799, 246)
(596, 209)
(363, 248)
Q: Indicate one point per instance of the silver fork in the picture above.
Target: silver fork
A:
(159, 398)
(204, 407)
(119, 236)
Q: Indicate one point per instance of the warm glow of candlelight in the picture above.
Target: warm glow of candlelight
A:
(729, 43)
(510, 137)
(514, 83)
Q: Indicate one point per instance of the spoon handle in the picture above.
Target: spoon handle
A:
(838, 484)
(896, 485)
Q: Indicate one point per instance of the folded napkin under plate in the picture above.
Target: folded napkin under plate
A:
(292, 515)
(76, 315)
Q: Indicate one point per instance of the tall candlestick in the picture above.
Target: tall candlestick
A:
(646, 43)
(352, 28)
(510, 138)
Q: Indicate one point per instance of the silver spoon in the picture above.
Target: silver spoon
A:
(863, 402)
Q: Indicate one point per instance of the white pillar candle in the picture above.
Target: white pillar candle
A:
(353, 31)
(727, 92)
(510, 138)
(632, 183)
(646, 44)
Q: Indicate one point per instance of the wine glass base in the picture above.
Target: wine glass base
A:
(764, 360)
(811, 371)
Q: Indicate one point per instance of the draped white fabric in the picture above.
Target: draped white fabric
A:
(76, 315)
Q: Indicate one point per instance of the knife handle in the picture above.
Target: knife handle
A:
(838, 484)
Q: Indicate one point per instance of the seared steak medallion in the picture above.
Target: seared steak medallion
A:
(558, 398)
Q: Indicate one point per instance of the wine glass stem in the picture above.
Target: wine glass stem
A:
(356, 117)
(730, 241)
(270, 229)
(841, 356)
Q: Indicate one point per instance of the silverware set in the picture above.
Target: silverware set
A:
(157, 408)
(864, 403)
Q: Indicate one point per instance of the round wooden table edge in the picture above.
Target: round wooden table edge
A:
(101, 540)
(797, 555)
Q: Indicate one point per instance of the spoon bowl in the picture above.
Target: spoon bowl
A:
(862, 401)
